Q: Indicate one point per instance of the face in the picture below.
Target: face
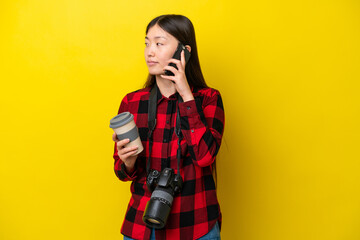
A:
(160, 46)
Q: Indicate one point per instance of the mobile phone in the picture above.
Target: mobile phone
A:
(177, 55)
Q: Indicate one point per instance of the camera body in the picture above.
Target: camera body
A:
(163, 186)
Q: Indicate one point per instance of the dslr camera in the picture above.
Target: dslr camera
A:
(163, 187)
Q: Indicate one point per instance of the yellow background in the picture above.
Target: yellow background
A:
(288, 72)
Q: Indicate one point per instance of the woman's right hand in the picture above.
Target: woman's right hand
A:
(126, 152)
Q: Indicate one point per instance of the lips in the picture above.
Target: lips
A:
(151, 63)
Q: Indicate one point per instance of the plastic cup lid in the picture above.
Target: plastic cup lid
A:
(121, 119)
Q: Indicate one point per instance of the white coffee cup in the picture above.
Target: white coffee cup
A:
(124, 126)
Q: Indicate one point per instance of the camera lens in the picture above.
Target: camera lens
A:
(158, 208)
(153, 221)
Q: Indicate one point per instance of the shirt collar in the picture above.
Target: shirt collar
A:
(174, 96)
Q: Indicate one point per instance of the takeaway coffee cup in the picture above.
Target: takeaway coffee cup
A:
(124, 126)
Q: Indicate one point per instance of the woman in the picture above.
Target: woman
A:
(195, 211)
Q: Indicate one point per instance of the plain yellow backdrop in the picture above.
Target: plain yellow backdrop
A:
(288, 72)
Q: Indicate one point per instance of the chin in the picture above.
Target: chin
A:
(152, 72)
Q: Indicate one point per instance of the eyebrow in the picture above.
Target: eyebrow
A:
(156, 37)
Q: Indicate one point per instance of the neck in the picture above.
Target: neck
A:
(166, 87)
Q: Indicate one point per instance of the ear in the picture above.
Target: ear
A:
(188, 48)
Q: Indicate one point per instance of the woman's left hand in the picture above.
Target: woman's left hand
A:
(181, 83)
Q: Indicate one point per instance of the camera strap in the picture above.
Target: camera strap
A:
(152, 106)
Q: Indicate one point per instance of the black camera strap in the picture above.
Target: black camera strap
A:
(152, 123)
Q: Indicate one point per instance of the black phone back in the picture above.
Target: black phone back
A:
(177, 55)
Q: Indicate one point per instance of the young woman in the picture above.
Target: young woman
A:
(184, 98)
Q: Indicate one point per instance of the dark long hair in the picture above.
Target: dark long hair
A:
(183, 30)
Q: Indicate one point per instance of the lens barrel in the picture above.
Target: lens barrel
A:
(158, 207)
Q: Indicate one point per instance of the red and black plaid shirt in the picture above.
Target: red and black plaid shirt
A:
(196, 209)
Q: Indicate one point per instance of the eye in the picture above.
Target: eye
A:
(159, 44)
(146, 44)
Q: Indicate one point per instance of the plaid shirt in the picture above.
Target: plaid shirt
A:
(196, 209)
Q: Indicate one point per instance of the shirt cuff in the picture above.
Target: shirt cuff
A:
(189, 108)
(128, 175)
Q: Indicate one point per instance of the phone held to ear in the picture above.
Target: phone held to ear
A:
(177, 55)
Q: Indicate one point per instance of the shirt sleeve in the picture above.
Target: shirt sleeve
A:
(119, 165)
(202, 125)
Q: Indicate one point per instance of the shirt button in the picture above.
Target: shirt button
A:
(165, 140)
(188, 107)
(167, 121)
(192, 130)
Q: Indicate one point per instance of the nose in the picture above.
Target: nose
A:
(150, 51)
